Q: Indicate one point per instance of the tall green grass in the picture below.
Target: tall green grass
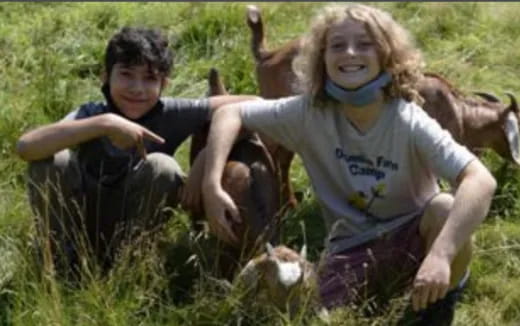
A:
(50, 61)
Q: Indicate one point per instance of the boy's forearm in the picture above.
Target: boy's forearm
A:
(224, 130)
(470, 207)
(45, 141)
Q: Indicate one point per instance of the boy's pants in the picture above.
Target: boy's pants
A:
(79, 213)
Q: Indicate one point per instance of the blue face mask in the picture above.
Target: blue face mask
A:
(361, 96)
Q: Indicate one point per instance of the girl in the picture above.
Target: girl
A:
(373, 157)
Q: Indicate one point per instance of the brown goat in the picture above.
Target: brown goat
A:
(282, 277)
(275, 79)
(249, 177)
(477, 122)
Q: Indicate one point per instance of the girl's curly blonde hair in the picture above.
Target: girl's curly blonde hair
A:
(397, 51)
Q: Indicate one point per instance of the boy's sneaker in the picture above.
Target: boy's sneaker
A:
(441, 313)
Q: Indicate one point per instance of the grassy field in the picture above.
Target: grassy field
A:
(50, 60)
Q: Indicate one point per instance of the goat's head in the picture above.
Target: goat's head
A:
(477, 122)
(499, 128)
(508, 144)
(281, 274)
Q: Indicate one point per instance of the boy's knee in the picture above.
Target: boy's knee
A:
(162, 166)
(160, 173)
(435, 215)
(38, 171)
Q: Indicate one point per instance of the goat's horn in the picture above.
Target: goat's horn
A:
(303, 252)
(513, 106)
(270, 250)
(488, 96)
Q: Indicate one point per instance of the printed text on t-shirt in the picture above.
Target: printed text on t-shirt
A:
(363, 166)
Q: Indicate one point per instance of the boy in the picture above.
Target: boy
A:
(122, 175)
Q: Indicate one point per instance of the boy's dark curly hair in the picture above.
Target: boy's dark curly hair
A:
(136, 46)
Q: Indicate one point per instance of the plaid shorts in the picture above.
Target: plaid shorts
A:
(381, 267)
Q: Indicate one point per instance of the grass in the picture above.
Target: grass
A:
(51, 55)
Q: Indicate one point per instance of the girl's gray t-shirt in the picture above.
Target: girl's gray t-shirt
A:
(367, 184)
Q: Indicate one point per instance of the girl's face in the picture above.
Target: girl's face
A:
(351, 57)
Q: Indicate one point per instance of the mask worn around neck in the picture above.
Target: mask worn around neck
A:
(361, 96)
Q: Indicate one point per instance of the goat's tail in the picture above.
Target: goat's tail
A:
(199, 139)
(215, 83)
(254, 21)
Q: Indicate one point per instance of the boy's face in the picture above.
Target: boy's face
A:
(135, 89)
(351, 57)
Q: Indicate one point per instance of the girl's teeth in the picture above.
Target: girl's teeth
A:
(350, 68)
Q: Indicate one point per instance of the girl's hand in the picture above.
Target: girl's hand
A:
(431, 282)
(216, 203)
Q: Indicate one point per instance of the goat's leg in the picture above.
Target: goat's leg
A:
(282, 159)
(285, 158)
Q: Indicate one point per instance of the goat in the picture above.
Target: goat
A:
(282, 277)
(275, 79)
(477, 122)
(250, 179)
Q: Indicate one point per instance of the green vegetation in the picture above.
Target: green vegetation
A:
(50, 60)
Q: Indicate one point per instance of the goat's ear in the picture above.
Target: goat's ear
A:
(303, 252)
(270, 250)
(249, 275)
(513, 134)
(514, 105)
(488, 97)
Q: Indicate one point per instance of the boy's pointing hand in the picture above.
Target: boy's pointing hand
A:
(126, 134)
